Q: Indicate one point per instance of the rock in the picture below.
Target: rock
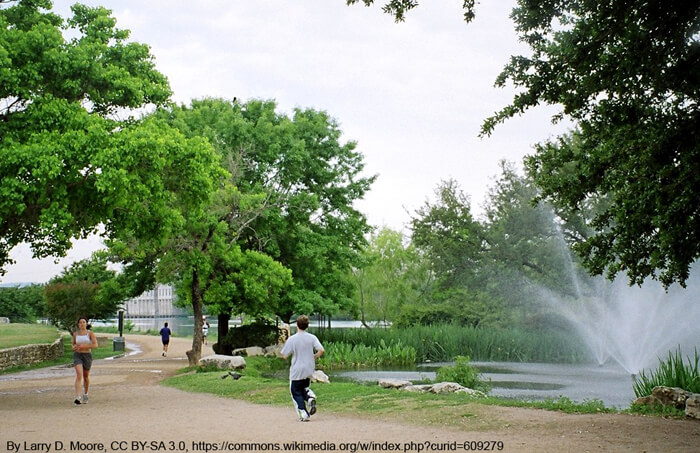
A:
(416, 388)
(393, 383)
(224, 362)
(251, 351)
(472, 392)
(671, 396)
(692, 406)
(646, 401)
(445, 387)
(320, 376)
(273, 351)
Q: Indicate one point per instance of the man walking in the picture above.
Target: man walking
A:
(301, 347)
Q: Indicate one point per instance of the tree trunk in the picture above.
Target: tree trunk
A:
(195, 353)
(223, 319)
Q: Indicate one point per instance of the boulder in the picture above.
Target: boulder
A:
(472, 392)
(445, 387)
(671, 396)
(224, 362)
(320, 376)
(417, 388)
(692, 406)
(393, 383)
(273, 351)
(648, 400)
(251, 351)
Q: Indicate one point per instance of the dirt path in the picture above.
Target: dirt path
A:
(127, 406)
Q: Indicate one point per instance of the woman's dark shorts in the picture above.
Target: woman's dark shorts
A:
(82, 358)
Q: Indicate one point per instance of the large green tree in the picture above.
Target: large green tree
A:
(304, 181)
(69, 165)
(627, 73)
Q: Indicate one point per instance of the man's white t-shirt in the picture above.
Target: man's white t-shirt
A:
(301, 346)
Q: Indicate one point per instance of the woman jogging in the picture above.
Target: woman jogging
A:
(84, 341)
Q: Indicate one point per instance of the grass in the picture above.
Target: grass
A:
(14, 335)
(459, 410)
(445, 342)
(66, 359)
(672, 372)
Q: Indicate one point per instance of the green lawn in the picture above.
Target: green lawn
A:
(13, 335)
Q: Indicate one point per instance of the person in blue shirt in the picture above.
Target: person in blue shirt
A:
(165, 338)
(304, 348)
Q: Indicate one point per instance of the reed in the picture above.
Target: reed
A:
(445, 342)
(346, 355)
(672, 372)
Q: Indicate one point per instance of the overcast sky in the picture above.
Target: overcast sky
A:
(412, 95)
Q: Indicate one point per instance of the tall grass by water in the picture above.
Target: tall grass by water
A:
(345, 355)
(672, 372)
(445, 342)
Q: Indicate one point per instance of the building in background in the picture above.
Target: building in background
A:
(156, 303)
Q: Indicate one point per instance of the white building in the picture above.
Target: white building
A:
(155, 303)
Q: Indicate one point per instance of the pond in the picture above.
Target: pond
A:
(609, 383)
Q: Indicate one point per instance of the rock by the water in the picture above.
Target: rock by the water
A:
(320, 376)
(224, 362)
(393, 383)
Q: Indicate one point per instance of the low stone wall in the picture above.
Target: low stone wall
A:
(31, 353)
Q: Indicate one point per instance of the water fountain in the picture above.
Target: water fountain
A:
(633, 325)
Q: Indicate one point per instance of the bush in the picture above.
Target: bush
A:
(463, 373)
(260, 333)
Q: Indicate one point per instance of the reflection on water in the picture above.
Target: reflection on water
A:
(530, 381)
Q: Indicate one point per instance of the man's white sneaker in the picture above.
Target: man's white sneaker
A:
(85, 399)
(303, 416)
(312, 406)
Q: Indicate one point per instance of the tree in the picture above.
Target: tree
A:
(305, 183)
(393, 275)
(68, 165)
(86, 288)
(627, 73)
(448, 233)
(22, 303)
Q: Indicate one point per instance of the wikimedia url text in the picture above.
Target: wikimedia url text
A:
(223, 446)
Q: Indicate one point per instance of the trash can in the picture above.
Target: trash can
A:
(118, 343)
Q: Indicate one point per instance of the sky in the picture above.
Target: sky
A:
(413, 95)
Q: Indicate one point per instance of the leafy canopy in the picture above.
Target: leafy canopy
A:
(68, 164)
(626, 72)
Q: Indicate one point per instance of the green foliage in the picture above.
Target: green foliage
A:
(626, 73)
(463, 373)
(440, 343)
(22, 304)
(344, 355)
(67, 165)
(289, 195)
(391, 275)
(672, 372)
(86, 288)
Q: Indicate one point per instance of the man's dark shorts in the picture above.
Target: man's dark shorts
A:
(82, 358)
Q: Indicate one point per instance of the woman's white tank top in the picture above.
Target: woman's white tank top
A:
(83, 339)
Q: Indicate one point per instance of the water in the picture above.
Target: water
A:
(609, 383)
(183, 326)
(633, 326)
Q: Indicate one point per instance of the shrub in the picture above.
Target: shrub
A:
(463, 373)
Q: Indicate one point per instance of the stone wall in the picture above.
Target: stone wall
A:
(31, 353)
